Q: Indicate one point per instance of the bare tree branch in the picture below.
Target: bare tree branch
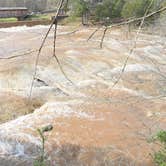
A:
(54, 53)
(129, 21)
(103, 36)
(134, 45)
(19, 55)
(139, 18)
(93, 33)
(40, 49)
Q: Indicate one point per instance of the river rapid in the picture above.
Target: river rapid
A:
(86, 110)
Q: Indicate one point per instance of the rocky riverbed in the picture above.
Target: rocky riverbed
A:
(90, 116)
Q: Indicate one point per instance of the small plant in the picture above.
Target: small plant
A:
(160, 156)
(41, 161)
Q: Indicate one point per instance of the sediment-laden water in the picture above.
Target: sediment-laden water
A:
(88, 112)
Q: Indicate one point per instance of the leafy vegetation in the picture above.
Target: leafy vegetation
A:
(109, 8)
(117, 9)
(112, 9)
(135, 8)
(160, 156)
(79, 7)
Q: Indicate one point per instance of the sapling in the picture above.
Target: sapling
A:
(42, 131)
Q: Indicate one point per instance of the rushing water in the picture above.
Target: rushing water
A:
(88, 111)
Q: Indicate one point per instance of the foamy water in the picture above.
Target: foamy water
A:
(84, 107)
(23, 28)
(15, 141)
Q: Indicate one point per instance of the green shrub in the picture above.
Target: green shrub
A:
(79, 7)
(161, 136)
(39, 163)
(109, 8)
(116, 9)
(160, 156)
(137, 8)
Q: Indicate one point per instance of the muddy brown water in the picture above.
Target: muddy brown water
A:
(90, 117)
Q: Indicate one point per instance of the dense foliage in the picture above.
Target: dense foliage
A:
(137, 8)
(118, 9)
(109, 8)
(160, 156)
(79, 7)
(100, 9)
(130, 8)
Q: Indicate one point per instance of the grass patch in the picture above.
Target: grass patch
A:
(33, 17)
(12, 19)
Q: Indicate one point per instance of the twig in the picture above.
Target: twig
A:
(54, 53)
(19, 55)
(35, 50)
(93, 33)
(130, 21)
(139, 18)
(40, 49)
(134, 45)
(103, 36)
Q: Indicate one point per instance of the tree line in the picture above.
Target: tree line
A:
(113, 10)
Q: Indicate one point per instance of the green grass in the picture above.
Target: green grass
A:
(8, 19)
(160, 156)
(34, 17)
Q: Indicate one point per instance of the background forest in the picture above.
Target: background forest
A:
(113, 10)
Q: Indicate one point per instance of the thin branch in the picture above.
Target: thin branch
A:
(139, 18)
(93, 33)
(40, 49)
(19, 55)
(129, 21)
(35, 50)
(103, 36)
(134, 45)
(54, 53)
